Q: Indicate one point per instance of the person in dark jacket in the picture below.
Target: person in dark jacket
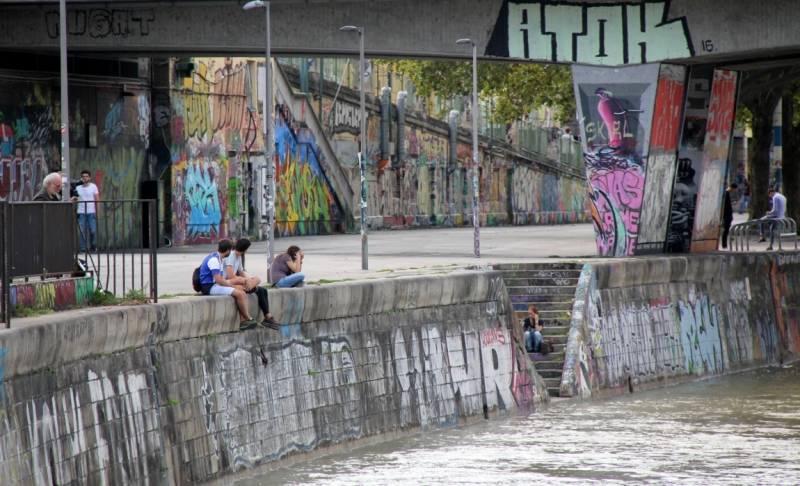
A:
(51, 189)
(727, 214)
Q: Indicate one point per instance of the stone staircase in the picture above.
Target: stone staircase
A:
(551, 288)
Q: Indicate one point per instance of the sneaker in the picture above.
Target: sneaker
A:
(248, 324)
(769, 248)
(762, 239)
(271, 323)
(94, 249)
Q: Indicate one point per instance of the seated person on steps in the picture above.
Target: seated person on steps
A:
(213, 282)
(533, 330)
(287, 268)
(234, 272)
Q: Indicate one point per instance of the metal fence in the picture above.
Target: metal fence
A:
(42, 240)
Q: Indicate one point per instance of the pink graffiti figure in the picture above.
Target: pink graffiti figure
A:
(613, 114)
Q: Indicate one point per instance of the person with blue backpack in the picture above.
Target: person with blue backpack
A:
(213, 282)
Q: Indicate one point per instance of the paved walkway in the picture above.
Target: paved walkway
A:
(394, 253)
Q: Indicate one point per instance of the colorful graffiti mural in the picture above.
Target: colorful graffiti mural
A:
(661, 160)
(719, 135)
(52, 294)
(305, 202)
(213, 123)
(615, 121)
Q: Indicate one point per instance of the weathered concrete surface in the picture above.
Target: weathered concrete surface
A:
(355, 363)
(592, 31)
(658, 321)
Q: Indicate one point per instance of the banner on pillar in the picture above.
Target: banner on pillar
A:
(661, 161)
(615, 109)
(716, 148)
(690, 158)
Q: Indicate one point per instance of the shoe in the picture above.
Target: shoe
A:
(271, 323)
(769, 248)
(248, 324)
(762, 240)
(94, 249)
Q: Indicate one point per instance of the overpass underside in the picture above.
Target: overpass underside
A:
(656, 83)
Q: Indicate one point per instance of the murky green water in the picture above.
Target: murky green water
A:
(739, 429)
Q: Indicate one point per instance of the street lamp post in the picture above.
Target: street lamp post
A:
(268, 143)
(62, 34)
(363, 148)
(475, 193)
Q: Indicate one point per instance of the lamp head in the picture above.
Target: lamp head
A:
(253, 4)
(350, 28)
(465, 41)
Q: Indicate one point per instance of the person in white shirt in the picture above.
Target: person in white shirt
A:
(87, 211)
(234, 272)
(778, 211)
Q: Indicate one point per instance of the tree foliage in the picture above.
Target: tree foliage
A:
(515, 89)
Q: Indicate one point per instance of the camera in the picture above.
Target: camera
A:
(73, 188)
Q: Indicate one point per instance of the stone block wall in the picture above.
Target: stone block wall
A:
(173, 392)
(654, 322)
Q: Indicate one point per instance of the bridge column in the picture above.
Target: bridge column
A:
(639, 139)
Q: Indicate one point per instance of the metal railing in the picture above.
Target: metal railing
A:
(41, 240)
(783, 227)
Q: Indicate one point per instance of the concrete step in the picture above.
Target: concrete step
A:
(552, 382)
(542, 290)
(535, 299)
(549, 373)
(550, 365)
(555, 331)
(538, 282)
(525, 274)
(549, 322)
(554, 392)
(554, 356)
(548, 315)
(543, 306)
(539, 266)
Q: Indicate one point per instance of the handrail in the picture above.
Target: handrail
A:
(740, 233)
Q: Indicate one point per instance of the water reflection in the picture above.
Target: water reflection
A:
(739, 429)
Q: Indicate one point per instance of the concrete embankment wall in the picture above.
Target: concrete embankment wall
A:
(642, 323)
(171, 393)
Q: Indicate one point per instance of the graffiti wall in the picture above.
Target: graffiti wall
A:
(714, 170)
(428, 190)
(616, 111)
(305, 202)
(54, 294)
(681, 319)
(661, 160)
(213, 126)
(229, 401)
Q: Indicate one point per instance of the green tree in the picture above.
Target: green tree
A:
(516, 89)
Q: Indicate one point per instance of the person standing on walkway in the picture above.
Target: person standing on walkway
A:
(213, 282)
(745, 200)
(777, 212)
(727, 214)
(287, 268)
(87, 211)
(234, 272)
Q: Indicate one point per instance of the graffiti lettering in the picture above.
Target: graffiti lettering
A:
(590, 33)
(100, 23)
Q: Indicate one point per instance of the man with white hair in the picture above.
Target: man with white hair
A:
(51, 188)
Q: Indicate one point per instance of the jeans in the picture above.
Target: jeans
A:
(743, 203)
(291, 280)
(533, 340)
(263, 301)
(772, 226)
(88, 223)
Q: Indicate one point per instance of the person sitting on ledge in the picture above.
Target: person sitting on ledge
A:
(234, 271)
(287, 268)
(533, 330)
(213, 282)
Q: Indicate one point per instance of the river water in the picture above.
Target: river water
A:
(737, 429)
